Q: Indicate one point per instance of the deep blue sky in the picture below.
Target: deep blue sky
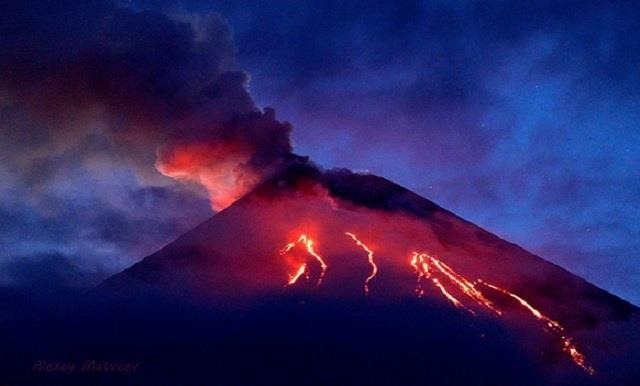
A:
(521, 117)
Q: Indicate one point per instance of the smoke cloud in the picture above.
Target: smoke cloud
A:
(161, 87)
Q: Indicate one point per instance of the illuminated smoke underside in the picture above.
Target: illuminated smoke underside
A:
(446, 280)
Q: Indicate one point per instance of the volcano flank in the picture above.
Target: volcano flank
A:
(342, 258)
(322, 278)
(125, 124)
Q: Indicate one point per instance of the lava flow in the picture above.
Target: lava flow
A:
(567, 343)
(427, 266)
(421, 267)
(374, 267)
(421, 262)
(301, 271)
(302, 268)
(450, 297)
(446, 280)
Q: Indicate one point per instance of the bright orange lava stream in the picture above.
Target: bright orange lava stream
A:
(374, 267)
(422, 263)
(294, 278)
(567, 343)
(426, 266)
(429, 267)
(302, 270)
(451, 298)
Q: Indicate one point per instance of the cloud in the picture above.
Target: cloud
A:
(515, 116)
(48, 271)
(512, 115)
(141, 79)
(92, 108)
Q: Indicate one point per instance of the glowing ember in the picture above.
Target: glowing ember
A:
(374, 267)
(308, 244)
(577, 356)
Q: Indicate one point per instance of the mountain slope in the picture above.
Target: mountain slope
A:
(339, 236)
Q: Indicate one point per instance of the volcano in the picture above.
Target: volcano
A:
(339, 241)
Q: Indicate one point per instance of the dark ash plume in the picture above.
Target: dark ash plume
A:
(158, 85)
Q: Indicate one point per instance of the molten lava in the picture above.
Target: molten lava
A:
(551, 323)
(425, 266)
(421, 267)
(567, 343)
(450, 297)
(374, 267)
(303, 269)
(464, 285)
(446, 280)
(293, 278)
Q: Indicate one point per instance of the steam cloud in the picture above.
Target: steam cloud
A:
(164, 87)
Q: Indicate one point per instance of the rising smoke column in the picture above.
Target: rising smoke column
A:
(163, 89)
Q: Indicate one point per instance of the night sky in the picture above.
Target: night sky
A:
(521, 117)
